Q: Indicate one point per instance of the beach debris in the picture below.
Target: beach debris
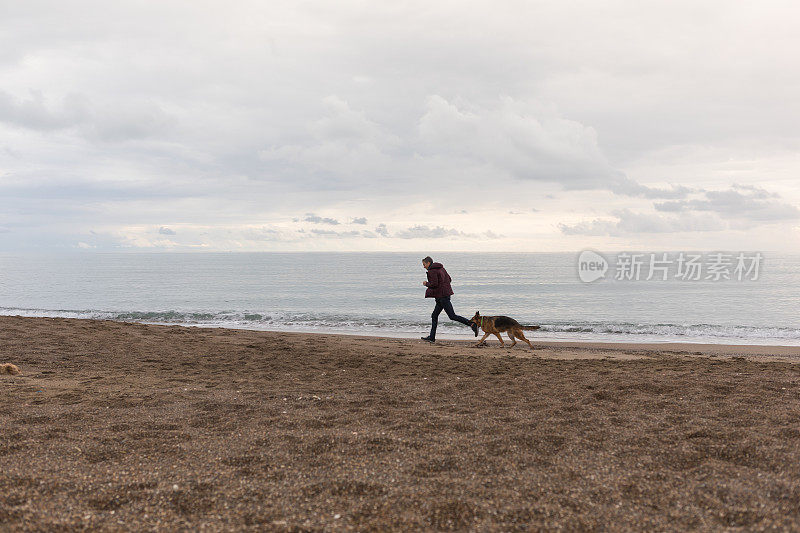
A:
(8, 368)
(313, 397)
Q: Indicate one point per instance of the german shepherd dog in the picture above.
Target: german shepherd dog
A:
(501, 324)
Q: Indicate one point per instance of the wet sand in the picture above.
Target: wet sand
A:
(116, 426)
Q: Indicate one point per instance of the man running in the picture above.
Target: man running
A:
(438, 287)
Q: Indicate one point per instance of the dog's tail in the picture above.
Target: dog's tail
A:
(530, 328)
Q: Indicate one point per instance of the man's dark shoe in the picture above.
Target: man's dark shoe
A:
(474, 327)
(428, 338)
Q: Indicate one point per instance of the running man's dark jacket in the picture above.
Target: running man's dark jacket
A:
(438, 282)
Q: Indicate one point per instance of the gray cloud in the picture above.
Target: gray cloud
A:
(439, 232)
(529, 141)
(342, 150)
(128, 121)
(628, 222)
(163, 230)
(740, 207)
(382, 230)
(740, 202)
(360, 220)
(425, 232)
(526, 140)
(339, 234)
(505, 137)
(311, 217)
(628, 187)
(122, 121)
(265, 234)
(35, 113)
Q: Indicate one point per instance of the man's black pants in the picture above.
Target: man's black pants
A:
(444, 304)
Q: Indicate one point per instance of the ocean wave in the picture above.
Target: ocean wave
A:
(676, 330)
(222, 318)
(617, 331)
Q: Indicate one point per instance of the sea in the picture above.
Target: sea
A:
(382, 294)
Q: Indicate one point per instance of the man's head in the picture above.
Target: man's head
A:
(427, 262)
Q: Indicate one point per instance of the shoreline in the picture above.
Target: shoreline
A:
(466, 338)
(678, 345)
(676, 348)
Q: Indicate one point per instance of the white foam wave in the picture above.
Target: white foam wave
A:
(609, 331)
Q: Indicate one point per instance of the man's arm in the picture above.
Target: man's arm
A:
(432, 281)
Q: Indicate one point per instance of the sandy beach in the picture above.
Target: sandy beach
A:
(117, 426)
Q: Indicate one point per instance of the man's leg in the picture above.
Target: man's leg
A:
(435, 318)
(448, 308)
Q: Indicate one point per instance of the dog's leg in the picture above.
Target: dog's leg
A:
(483, 339)
(522, 336)
(513, 340)
(500, 339)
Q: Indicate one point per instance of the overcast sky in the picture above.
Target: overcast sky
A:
(507, 126)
